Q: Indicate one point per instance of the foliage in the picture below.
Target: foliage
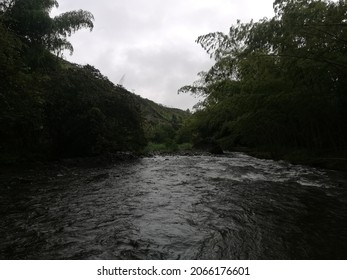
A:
(21, 101)
(50, 107)
(278, 83)
(87, 114)
(162, 124)
(30, 21)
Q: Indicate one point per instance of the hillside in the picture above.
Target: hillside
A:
(51, 108)
(68, 110)
(158, 114)
(152, 113)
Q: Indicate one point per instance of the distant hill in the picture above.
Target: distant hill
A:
(152, 112)
(160, 124)
(154, 116)
(155, 113)
(158, 118)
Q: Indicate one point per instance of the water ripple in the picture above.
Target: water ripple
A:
(176, 207)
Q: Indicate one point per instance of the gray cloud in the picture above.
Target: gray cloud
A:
(152, 42)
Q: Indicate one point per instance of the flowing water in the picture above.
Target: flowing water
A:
(176, 207)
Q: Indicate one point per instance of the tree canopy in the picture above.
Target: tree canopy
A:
(278, 83)
(30, 20)
(48, 106)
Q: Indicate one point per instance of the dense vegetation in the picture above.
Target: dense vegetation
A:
(163, 127)
(278, 85)
(52, 108)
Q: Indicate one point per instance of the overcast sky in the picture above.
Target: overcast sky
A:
(152, 42)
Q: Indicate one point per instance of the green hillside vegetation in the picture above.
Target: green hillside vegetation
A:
(163, 126)
(51, 108)
(279, 85)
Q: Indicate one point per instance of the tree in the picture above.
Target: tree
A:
(278, 82)
(30, 21)
(86, 114)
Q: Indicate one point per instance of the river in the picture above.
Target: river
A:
(175, 207)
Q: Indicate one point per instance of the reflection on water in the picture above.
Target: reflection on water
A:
(176, 207)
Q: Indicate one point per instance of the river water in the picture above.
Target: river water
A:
(175, 207)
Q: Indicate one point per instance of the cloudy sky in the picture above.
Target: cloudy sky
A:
(151, 43)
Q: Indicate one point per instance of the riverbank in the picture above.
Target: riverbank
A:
(325, 160)
(313, 159)
(25, 171)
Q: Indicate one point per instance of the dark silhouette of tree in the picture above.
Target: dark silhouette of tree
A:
(278, 84)
(30, 20)
(48, 106)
